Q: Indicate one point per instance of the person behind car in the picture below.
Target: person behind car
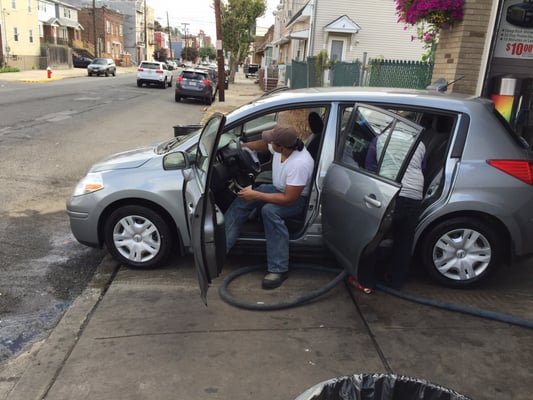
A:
(292, 169)
(395, 270)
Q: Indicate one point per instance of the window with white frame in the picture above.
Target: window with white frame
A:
(337, 47)
(29, 6)
(108, 27)
(15, 34)
(31, 35)
(120, 30)
(14, 4)
(108, 47)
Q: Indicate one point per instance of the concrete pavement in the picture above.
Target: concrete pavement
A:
(145, 334)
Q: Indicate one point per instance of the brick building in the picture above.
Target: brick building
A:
(109, 27)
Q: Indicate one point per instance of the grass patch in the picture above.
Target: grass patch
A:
(9, 69)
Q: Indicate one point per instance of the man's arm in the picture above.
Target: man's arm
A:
(257, 145)
(283, 199)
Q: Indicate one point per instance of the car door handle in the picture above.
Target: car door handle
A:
(371, 199)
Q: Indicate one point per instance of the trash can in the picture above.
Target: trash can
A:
(378, 387)
(181, 130)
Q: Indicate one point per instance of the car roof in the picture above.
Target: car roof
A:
(348, 94)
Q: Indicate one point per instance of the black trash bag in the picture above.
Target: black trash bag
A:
(378, 387)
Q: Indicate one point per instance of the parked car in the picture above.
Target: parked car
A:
(102, 66)
(82, 62)
(478, 191)
(251, 70)
(154, 73)
(196, 83)
(171, 65)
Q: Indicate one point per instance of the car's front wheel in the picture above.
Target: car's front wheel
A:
(138, 236)
(461, 251)
(177, 97)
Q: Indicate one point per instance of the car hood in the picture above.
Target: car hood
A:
(128, 159)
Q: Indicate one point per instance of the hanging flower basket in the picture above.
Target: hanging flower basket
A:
(429, 16)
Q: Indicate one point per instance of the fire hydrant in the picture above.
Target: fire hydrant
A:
(49, 72)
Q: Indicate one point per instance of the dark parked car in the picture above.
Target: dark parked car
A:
(102, 66)
(478, 191)
(196, 83)
(82, 62)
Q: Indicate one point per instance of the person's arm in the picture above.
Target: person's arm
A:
(257, 145)
(283, 199)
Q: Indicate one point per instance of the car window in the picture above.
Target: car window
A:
(150, 65)
(376, 141)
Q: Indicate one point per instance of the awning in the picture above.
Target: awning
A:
(69, 23)
(280, 41)
(304, 34)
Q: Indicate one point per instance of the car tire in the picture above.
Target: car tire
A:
(89, 74)
(106, 73)
(177, 97)
(114, 73)
(209, 100)
(164, 84)
(138, 236)
(170, 83)
(139, 84)
(461, 251)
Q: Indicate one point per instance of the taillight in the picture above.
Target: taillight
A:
(205, 82)
(140, 69)
(159, 71)
(179, 79)
(520, 169)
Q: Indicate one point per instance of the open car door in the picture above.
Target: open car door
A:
(361, 185)
(205, 218)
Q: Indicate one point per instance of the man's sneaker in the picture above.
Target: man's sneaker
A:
(273, 280)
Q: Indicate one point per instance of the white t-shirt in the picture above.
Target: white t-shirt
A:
(297, 170)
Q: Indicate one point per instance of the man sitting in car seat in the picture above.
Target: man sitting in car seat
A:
(292, 169)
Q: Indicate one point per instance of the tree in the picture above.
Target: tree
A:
(208, 52)
(189, 54)
(238, 19)
(157, 26)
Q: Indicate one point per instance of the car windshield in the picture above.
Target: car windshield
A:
(99, 61)
(150, 65)
(198, 76)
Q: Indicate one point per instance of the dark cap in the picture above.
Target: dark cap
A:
(282, 135)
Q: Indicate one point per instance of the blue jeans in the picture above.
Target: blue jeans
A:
(276, 232)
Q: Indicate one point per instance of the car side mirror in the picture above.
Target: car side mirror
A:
(176, 160)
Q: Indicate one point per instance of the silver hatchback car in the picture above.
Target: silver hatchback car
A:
(478, 201)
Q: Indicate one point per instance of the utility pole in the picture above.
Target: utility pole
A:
(145, 34)
(94, 29)
(185, 25)
(169, 38)
(220, 54)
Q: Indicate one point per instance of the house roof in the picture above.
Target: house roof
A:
(343, 24)
(69, 23)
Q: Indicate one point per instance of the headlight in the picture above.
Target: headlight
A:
(92, 182)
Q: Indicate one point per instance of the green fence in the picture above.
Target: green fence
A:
(399, 74)
(379, 73)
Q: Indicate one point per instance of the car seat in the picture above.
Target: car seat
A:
(316, 124)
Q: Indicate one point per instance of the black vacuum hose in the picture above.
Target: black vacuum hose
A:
(508, 318)
(228, 298)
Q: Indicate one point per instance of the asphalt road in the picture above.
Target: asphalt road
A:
(50, 133)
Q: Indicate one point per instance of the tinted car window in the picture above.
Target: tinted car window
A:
(198, 76)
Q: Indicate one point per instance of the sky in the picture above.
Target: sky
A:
(198, 14)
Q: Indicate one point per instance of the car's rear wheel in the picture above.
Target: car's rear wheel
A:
(138, 236)
(209, 99)
(170, 83)
(177, 97)
(164, 84)
(461, 251)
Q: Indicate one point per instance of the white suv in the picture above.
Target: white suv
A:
(154, 73)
